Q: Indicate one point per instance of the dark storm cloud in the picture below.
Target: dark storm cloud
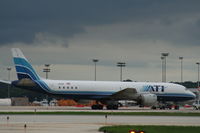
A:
(21, 20)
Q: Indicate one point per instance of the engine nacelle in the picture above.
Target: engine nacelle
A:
(147, 99)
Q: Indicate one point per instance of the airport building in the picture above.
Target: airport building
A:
(20, 101)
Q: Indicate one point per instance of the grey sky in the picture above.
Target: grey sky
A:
(69, 33)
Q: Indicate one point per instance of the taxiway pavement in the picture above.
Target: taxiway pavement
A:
(84, 109)
(83, 123)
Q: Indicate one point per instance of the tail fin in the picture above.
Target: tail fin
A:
(23, 67)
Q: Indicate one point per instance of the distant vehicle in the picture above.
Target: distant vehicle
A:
(44, 102)
(106, 93)
(36, 103)
(53, 102)
(196, 105)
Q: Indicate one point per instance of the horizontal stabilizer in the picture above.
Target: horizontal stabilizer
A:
(4, 84)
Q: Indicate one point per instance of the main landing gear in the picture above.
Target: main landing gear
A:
(112, 107)
(176, 107)
(97, 107)
(109, 106)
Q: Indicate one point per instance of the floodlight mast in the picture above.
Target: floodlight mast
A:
(181, 59)
(198, 63)
(121, 64)
(9, 69)
(164, 56)
(46, 69)
(95, 69)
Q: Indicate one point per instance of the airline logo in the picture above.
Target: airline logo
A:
(153, 88)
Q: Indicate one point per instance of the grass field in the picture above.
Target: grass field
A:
(105, 113)
(151, 129)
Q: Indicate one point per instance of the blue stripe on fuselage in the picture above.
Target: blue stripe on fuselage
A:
(174, 97)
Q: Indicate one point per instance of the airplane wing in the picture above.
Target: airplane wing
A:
(128, 93)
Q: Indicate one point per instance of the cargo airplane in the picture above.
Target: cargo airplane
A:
(105, 93)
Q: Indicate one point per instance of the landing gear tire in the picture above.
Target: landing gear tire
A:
(176, 107)
(97, 107)
(112, 107)
(153, 107)
(162, 107)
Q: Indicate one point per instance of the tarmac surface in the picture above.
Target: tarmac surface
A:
(85, 109)
(83, 123)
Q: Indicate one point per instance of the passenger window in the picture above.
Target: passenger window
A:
(63, 87)
(72, 87)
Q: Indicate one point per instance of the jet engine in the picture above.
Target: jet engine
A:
(147, 99)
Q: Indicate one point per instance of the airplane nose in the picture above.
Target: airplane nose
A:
(193, 96)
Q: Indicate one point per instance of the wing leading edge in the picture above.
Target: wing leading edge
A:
(128, 93)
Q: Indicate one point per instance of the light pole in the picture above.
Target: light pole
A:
(198, 74)
(121, 64)
(165, 65)
(162, 58)
(95, 71)
(47, 70)
(9, 69)
(181, 59)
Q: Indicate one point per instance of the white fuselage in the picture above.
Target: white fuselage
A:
(102, 89)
